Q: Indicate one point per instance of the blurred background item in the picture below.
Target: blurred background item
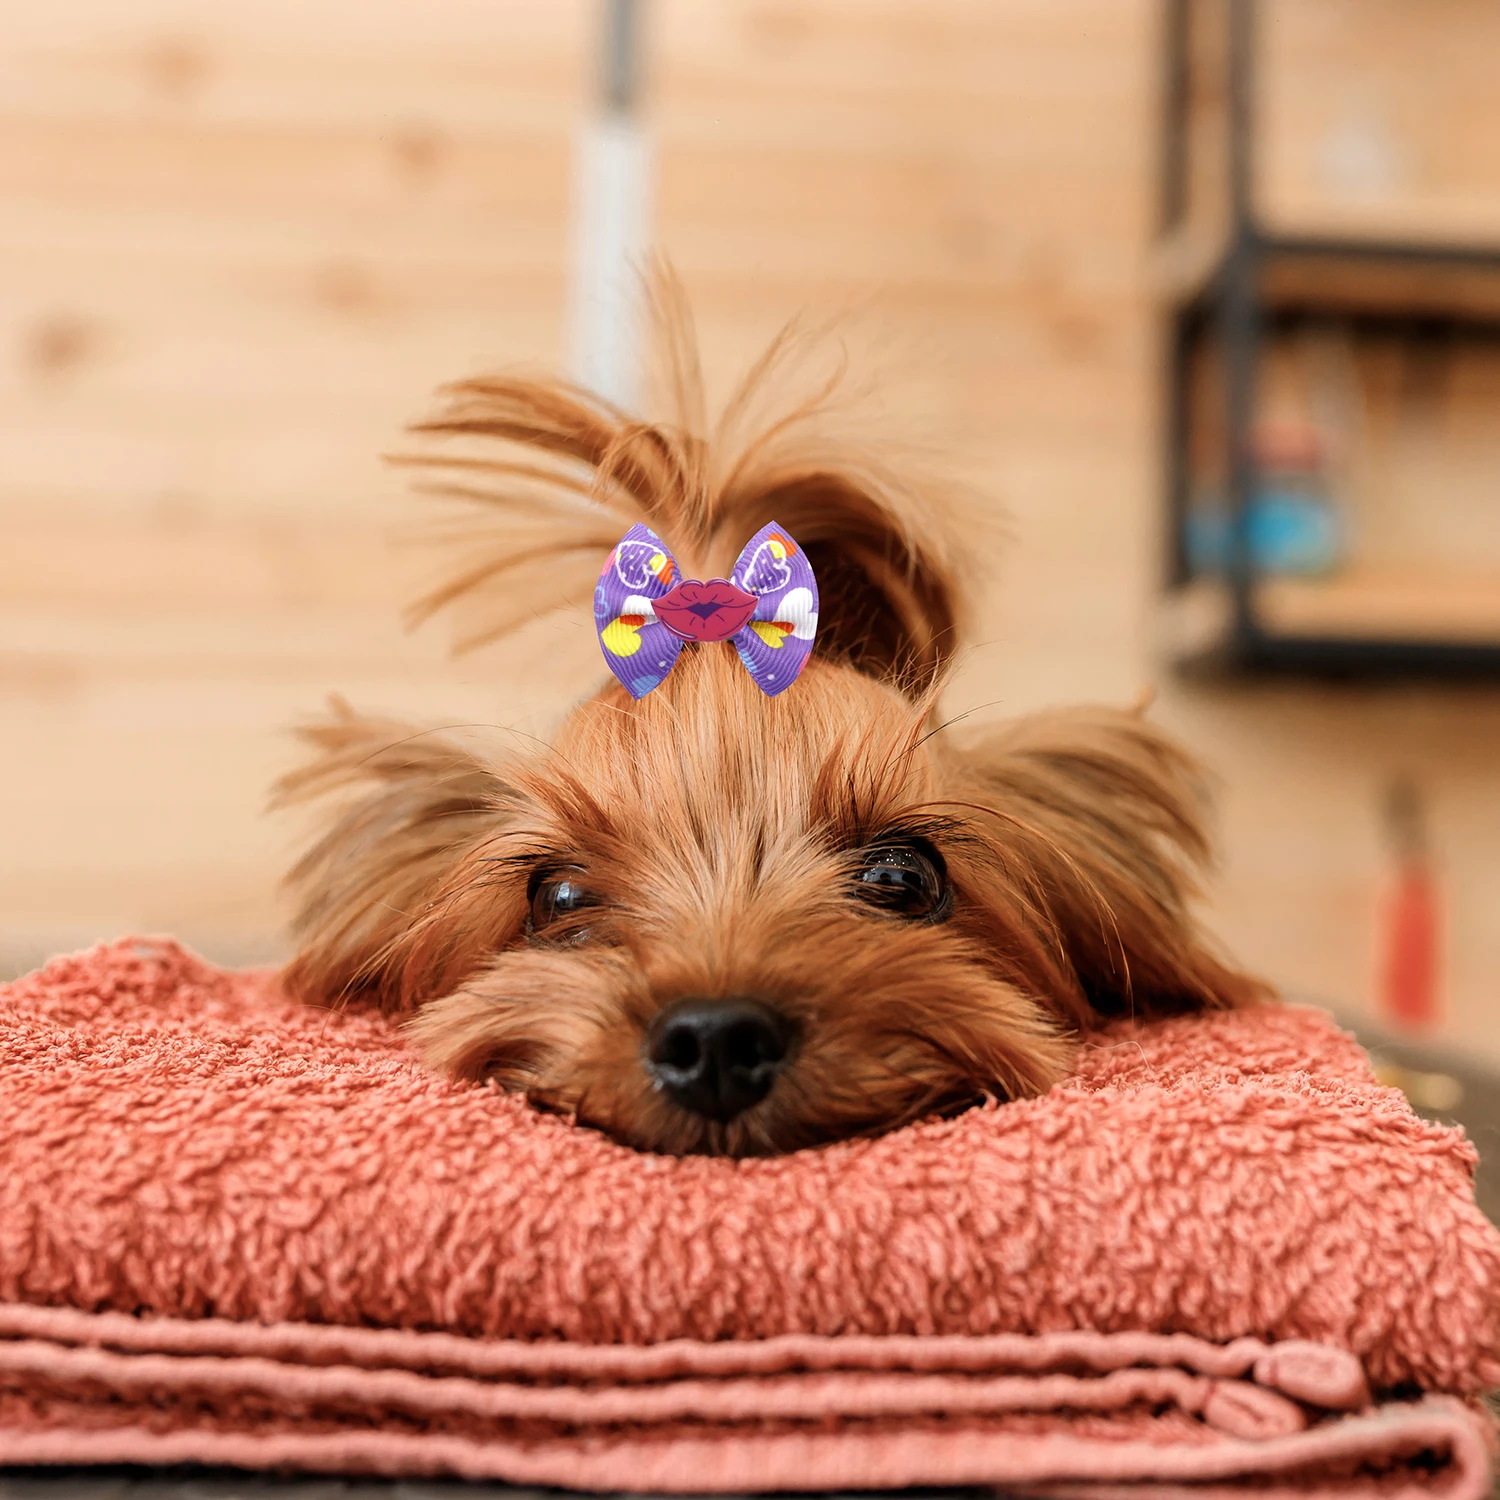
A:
(1229, 368)
(1291, 522)
(1411, 974)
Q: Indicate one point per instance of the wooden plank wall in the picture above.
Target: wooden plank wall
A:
(1378, 117)
(239, 246)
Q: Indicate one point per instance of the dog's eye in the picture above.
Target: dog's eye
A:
(905, 880)
(556, 897)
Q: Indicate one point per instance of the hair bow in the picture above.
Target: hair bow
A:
(645, 610)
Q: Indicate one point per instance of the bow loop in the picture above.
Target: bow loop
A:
(645, 611)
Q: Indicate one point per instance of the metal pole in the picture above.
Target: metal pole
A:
(621, 59)
(1184, 327)
(1240, 318)
(1176, 94)
(1176, 84)
(612, 218)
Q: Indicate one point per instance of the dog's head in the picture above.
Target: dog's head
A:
(710, 920)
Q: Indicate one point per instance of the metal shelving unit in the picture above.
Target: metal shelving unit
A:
(1252, 283)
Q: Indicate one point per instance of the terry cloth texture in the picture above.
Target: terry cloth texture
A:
(237, 1231)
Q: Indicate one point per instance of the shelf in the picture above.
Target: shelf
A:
(1357, 622)
(1375, 606)
(1422, 315)
(1405, 280)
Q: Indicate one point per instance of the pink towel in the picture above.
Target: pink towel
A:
(234, 1231)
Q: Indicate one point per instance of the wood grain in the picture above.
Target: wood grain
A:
(240, 246)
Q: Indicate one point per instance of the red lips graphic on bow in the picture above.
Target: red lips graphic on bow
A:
(711, 611)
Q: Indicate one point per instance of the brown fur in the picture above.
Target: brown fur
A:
(719, 830)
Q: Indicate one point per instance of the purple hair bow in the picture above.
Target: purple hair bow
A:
(645, 610)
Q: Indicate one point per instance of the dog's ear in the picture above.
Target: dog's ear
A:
(1102, 819)
(414, 807)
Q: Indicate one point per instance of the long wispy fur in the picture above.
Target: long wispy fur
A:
(719, 832)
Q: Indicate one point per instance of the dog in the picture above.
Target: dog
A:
(711, 920)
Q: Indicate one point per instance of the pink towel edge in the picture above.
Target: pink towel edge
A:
(1331, 1377)
(749, 1462)
(357, 1366)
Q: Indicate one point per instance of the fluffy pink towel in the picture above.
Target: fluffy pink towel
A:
(235, 1231)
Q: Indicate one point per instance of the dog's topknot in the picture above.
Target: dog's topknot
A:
(570, 472)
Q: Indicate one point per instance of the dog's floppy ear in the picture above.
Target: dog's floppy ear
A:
(416, 806)
(1102, 820)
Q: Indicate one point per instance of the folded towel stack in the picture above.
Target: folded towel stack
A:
(232, 1230)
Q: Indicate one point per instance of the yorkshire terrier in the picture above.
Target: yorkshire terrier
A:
(720, 917)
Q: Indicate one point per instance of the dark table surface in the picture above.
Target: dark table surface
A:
(1445, 1086)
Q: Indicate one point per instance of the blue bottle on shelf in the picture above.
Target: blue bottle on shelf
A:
(1292, 526)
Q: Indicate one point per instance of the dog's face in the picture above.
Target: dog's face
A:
(710, 921)
(714, 921)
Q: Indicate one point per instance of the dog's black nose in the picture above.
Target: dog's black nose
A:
(717, 1057)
